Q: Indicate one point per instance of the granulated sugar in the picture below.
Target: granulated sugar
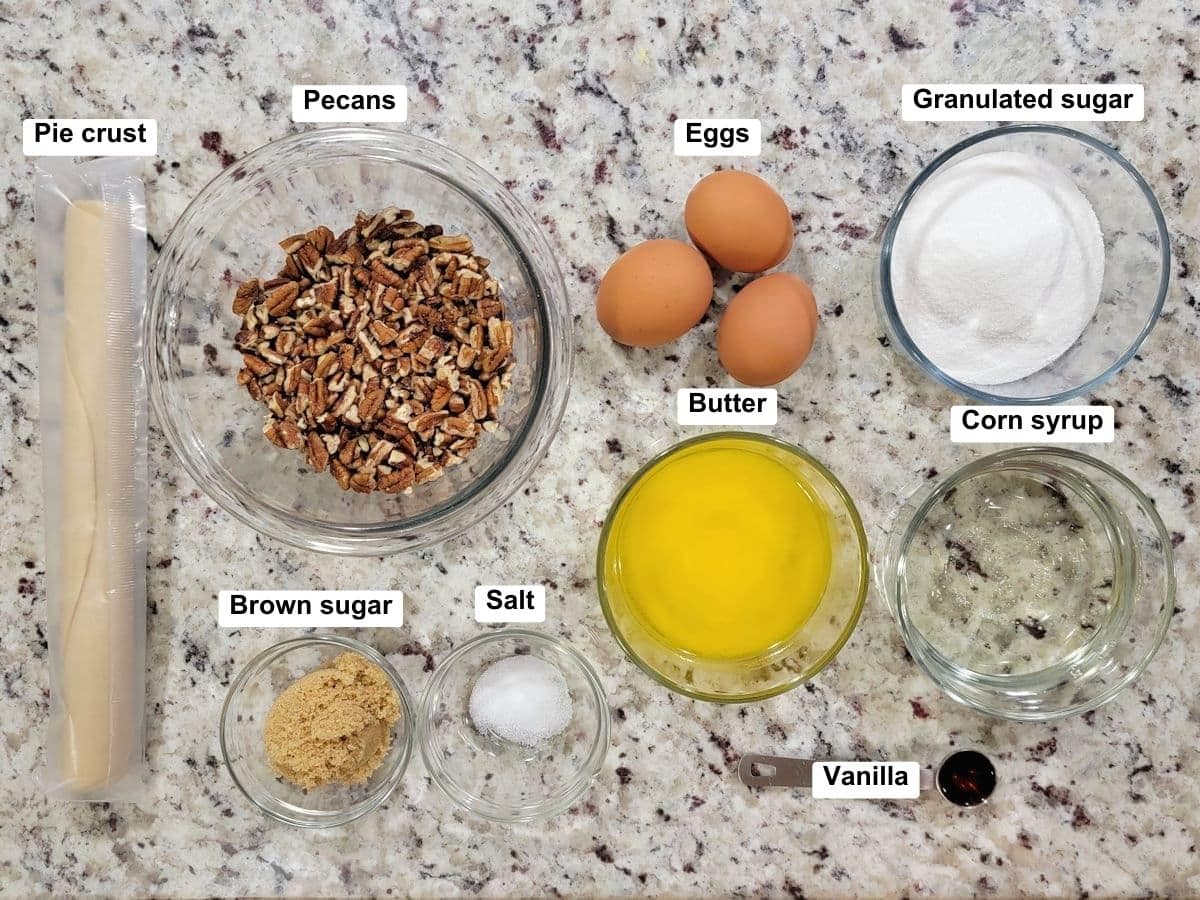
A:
(997, 267)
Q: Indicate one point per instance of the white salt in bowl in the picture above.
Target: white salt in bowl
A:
(501, 780)
(1136, 267)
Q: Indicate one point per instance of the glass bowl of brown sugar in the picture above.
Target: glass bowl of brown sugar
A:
(255, 765)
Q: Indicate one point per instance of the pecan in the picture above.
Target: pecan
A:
(478, 399)
(382, 354)
(341, 473)
(407, 252)
(280, 300)
(318, 454)
(459, 427)
(441, 397)
(372, 401)
(362, 481)
(425, 423)
(451, 243)
(248, 293)
(383, 332)
(399, 480)
(324, 293)
(256, 365)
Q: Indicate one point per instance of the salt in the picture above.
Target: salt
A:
(522, 699)
(997, 267)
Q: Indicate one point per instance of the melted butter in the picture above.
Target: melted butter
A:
(721, 550)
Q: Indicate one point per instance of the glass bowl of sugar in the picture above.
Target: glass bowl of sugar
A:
(1024, 265)
(514, 726)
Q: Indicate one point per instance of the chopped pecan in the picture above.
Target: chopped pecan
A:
(452, 243)
(381, 353)
(248, 293)
(318, 454)
(280, 300)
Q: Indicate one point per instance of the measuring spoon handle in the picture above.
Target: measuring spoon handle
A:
(762, 771)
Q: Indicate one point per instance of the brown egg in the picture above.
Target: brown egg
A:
(767, 330)
(739, 221)
(654, 293)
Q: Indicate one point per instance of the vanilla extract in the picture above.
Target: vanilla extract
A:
(966, 778)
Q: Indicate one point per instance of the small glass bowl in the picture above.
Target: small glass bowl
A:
(244, 717)
(786, 665)
(1137, 265)
(1031, 584)
(496, 779)
(229, 233)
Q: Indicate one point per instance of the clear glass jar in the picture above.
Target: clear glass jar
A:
(500, 780)
(1137, 265)
(244, 716)
(783, 666)
(1031, 584)
(229, 233)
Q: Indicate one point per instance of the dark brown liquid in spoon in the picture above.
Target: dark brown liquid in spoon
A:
(967, 778)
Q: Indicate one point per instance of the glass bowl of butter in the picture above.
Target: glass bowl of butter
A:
(237, 230)
(732, 567)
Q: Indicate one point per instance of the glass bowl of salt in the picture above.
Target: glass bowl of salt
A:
(514, 726)
(1024, 265)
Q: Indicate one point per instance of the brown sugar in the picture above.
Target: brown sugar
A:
(332, 725)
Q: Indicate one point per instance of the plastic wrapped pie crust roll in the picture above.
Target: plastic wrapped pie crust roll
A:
(91, 298)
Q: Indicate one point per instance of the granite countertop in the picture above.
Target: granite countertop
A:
(572, 107)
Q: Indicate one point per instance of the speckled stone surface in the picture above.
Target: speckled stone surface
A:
(572, 107)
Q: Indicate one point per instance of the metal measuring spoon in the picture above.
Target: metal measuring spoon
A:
(965, 778)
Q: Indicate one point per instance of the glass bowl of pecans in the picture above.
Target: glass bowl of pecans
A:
(358, 341)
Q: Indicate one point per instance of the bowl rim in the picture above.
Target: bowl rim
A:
(894, 323)
(851, 622)
(574, 788)
(537, 430)
(917, 646)
(382, 791)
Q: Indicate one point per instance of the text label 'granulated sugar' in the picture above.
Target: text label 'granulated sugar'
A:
(1023, 103)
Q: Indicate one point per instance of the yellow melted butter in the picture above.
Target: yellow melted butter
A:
(721, 551)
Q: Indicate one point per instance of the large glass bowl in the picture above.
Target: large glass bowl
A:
(783, 666)
(1030, 584)
(1137, 263)
(497, 779)
(244, 717)
(230, 233)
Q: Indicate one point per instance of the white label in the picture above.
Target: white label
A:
(866, 780)
(90, 137)
(718, 137)
(1043, 424)
(510, 603)
(727, 406)
(349, 103)
(310, 609)
(1022, 102)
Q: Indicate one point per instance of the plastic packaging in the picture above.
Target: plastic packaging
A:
(91, 251)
